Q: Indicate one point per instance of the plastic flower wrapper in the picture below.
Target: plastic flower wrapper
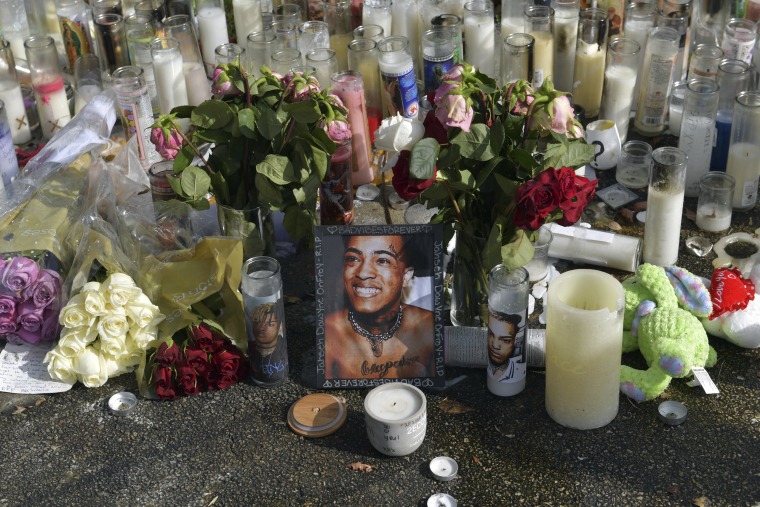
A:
(194, 359)
(46, 201)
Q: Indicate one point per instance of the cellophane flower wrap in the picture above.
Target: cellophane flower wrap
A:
(272, 140)
(497, 163)
(195, 359)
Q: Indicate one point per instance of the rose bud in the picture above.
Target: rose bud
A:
(222, 85)
(338, 130)
(168, 141)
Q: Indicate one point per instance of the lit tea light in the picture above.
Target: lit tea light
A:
(443, 468)
(122, 404)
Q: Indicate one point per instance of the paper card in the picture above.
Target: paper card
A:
(22, 371)
(702, 378)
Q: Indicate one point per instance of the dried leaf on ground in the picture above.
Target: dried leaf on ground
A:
(674, 489)
(19, 410)
(476, 459)
(292, 300)
(361, 467)
(39, 402)
(702, 501)
(454, 407)
(691, 215)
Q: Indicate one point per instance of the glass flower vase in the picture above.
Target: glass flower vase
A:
(469, 282)
(254, 227)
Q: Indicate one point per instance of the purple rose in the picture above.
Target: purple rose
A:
(44, 291)
(50, 323)
(8, 324)
(168, 141)
(29, 316)
(7, 304)
(19, 274)
(453, 111)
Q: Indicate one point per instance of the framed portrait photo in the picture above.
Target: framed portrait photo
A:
(379, 303)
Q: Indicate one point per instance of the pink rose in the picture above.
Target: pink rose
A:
(443, 91)
(29, 316)
(454, 74)
(519, 96)
(453, 111)
(8, 324)
(7, 304)
(19, 274)
(299, 87)
(557, 116)
(222, 85)
(338, 130)
(45, 289)
(168, 141)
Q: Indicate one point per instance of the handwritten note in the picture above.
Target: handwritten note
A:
(22, 371)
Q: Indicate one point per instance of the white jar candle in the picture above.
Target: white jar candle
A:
(539, 22)
(247, 16)
(565, 40)
(52, 106)
(10, 94)
(479, 36)
(662, 230)
(378, 12)
(584, 337)
(396, 418)
(212, 25)
(196, 83)
(169, 75)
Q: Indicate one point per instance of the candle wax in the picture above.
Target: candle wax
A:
(10, 94)
(381, 17)
(170, 80)
(696, 139)
(213, 27)
(713, 218)
(196, 83)
(543, 57)
(619, 83)
(52, 106)
(662, 230)
(565, 41)
(394, 404)
(247, 15)
(588, 78)
(480, 40)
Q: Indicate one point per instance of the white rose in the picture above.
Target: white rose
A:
(74, 314)
(398, 133)
(94, 303)
(133, 353)
(143, 312)
(119, 289)
(114, 323)
(74, 341)
(59, 367)
(116, 366)
(144, 337)
(91, 287)
(90, 367)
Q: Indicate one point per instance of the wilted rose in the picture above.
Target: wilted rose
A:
(19, 274)
(299, 87)
(453, 111)
(221, 84)
(556, 116)
(168, 141)
(338, 131)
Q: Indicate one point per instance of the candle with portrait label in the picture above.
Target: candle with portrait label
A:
(584, 336)
(399, 81)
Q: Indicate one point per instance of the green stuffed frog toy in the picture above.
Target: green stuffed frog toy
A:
(662, 311)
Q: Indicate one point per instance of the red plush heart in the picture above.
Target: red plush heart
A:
(729, 291)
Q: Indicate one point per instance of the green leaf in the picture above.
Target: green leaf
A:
(183, 159)
(448, 157)
(298, 222)
(424, 156)
(221, 190)
(507, 185)
(518, 252)
(497, 137)
(486, 171)
(320, 161)
(183, 111)
(211, 136)
(269, 193)
(578, 154)
(304, 111)
(268, 124)
(247, 120)
(524, 159)
(474, 144)
(278, 169)
(195, 182)
(212, 114)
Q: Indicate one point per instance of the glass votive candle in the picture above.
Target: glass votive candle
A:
(313, 35)
(676, 107)
(714, 205)
(633, 165)
(229, 53)
(374, 32)
(158, 175)
(326, 63)
(538, 266)
(285, 59)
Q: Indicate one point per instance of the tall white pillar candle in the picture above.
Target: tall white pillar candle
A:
(169, 75)
(565, 40)
(479, 36)
(213, 27)
(247, 16)
(584, 337)
(744, 165)
(52, 107)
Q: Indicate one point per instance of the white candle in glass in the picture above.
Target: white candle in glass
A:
(213, 27)
(543, 57)
(589, 77)
(662, 232)
(565, 41)
(10, 94)
(584, 336)
(169, 74)
(196, 83)
(619, 84)
(339, 43)
(744, 165)
(479, 36)
(52, 107)
(378, 12)
(83, 94)
(247, 16)
(712, 218)
(396, 418)
(512, 24)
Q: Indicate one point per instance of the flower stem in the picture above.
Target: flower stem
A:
(192, 147)
(247, 142)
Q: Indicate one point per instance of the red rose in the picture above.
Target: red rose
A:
(225, 381)
(165, 386)
(536, 198)
(168, 354)
(406, 186)
(198, 359)
(204, 338)
(187, 380)
(566, 178)
(573, 208)
(226, 362)
(435, 129)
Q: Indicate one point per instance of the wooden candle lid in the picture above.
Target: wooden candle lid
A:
(316, 415)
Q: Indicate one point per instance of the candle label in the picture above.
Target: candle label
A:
(656, 100)
(267, 345)
(740, 50)
(401, 92)
(8, 161)
(75, 40)
(435, 68)
(506, 345)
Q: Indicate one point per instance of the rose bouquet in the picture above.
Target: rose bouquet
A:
(198, 358)
(496, 163)
(30, 298)
(106, 328)
(272, 140)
